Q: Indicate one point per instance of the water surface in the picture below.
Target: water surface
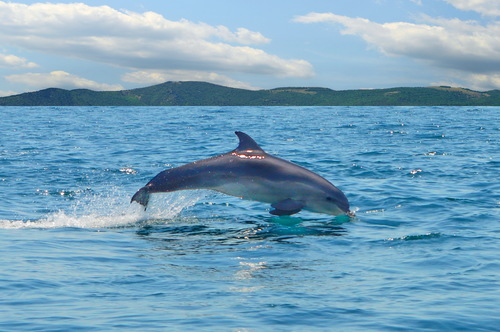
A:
(421, 253)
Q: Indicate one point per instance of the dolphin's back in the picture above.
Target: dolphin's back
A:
(201, 174)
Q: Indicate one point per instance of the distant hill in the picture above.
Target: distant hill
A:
(207, 94)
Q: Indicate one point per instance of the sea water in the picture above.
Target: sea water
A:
(422, 252)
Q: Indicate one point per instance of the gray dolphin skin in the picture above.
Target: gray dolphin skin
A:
(250, 173)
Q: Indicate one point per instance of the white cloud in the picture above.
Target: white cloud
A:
(60, 79)
(484, 7)
(7, 93)
(241, 36)
(140, 41)
(480, 82)
(155, 77)
(451, 44)
(13, 61)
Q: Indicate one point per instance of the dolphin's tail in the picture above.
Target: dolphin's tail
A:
(141, 197)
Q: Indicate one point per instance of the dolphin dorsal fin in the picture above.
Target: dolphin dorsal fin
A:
(247, 143)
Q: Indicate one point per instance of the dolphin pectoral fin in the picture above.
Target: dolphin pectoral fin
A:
(141, 197)
(277, 212)
(287, 207)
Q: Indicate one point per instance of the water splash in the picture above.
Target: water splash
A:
(109, 210)
(170, 205)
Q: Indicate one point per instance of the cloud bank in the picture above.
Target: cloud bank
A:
(484, 7)
(13, 61)
(467, 50)
(60, 79)
(140, 41)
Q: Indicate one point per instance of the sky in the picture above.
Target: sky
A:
(342, 44)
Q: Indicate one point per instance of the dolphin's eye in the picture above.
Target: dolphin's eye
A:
(330, 199)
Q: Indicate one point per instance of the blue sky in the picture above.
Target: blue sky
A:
(344, 44)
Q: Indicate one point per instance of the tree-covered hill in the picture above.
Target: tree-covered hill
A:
(207, 94)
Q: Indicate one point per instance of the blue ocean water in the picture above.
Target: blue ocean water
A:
(422, 252)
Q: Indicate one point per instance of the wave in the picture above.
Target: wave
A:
(110, 210)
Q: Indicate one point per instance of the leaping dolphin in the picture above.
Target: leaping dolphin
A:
(250, 173)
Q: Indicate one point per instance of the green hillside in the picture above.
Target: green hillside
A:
(207, 94)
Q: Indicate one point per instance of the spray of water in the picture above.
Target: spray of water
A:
(111, 209)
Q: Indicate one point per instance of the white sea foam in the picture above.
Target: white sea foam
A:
(110, 210)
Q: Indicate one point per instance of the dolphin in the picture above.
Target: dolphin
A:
(250, 173)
